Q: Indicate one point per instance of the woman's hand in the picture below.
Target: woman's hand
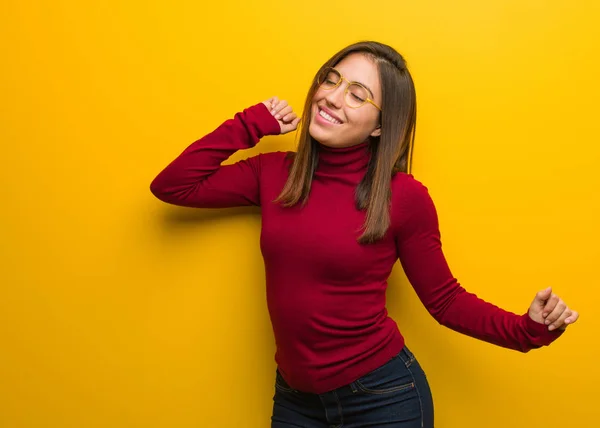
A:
(288, 120)
(547, 308)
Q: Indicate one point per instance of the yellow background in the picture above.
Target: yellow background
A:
(118, 311)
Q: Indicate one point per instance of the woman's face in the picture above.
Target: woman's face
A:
(333, 123)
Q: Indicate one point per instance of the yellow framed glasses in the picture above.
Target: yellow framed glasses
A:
(355, 94)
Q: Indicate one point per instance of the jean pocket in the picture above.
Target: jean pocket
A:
(393, 376)
(281, 384)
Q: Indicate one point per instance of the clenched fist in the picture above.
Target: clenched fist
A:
(549, 309)
(288, 120)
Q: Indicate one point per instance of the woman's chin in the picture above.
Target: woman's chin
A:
(318, 134)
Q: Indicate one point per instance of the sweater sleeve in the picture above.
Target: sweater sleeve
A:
(196, 177)
(420, 252)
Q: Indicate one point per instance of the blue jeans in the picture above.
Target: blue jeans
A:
(395, 395)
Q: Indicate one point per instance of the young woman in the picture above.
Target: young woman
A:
(337, 214)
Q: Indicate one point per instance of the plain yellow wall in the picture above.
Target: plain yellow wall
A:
(119, 311)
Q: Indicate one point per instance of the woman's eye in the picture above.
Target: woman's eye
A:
(357, 98)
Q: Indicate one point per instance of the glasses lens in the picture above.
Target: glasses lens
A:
(356, 95)
(329, 78)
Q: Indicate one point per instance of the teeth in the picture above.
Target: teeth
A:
(329, 118)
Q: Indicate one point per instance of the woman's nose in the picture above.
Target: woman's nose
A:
(335, 97)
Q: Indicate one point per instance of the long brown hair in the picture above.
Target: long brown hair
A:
(391, 152)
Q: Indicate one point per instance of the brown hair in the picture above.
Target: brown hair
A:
(390, 153)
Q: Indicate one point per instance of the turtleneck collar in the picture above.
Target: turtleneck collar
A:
(343, 160)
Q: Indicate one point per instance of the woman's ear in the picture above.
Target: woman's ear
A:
(376, 132)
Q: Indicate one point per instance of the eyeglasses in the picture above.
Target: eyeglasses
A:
(355, 95)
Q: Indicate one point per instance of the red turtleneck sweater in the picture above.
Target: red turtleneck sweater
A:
(325, 291)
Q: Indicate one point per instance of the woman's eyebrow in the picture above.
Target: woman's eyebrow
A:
(362, 84)
(368, 89)
(356, 81)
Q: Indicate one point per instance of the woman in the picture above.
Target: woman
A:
(336, 216)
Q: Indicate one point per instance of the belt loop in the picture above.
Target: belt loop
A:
(353, 388)
(407, 356)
